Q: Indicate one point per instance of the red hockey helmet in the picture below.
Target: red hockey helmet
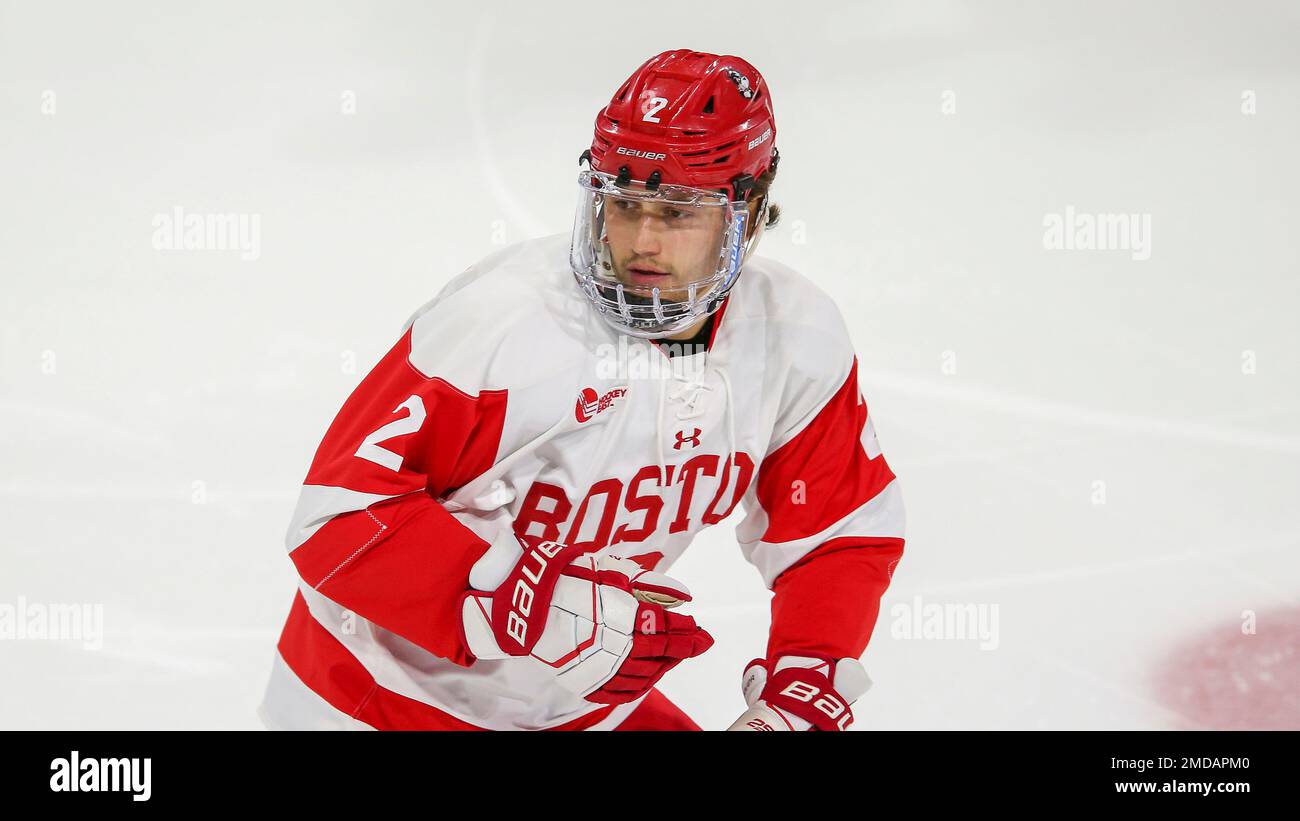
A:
(700, 120)
(663, 223)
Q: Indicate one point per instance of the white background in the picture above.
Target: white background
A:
(129, 374)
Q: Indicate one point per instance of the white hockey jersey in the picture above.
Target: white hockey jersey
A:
(508, 406)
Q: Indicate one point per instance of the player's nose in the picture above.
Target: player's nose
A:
(646, 241)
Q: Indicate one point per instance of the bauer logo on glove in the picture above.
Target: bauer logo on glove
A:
(801, 693)
(601, 623)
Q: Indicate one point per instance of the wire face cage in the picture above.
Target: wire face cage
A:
(653, 259)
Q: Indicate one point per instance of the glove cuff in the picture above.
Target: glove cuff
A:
(806, 692)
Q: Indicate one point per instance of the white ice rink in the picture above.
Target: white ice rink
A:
(1104, 448)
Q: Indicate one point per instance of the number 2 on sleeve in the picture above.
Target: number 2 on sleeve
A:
(370, 449)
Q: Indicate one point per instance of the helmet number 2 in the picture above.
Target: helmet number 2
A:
(652, 107)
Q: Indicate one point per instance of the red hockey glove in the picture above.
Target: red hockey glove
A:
(799, 693)
(601, 623)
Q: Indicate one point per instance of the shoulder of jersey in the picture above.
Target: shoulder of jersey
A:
(506, 322)
(802, 323)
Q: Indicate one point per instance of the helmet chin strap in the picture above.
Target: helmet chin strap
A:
(760, 225)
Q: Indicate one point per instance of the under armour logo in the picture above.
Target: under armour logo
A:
(682, 439)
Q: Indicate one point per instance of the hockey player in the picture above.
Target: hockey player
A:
(483, 535)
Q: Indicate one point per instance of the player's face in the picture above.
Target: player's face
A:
(663, 245)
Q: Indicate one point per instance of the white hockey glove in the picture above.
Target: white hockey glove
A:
(800, 693)
(601, 623)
